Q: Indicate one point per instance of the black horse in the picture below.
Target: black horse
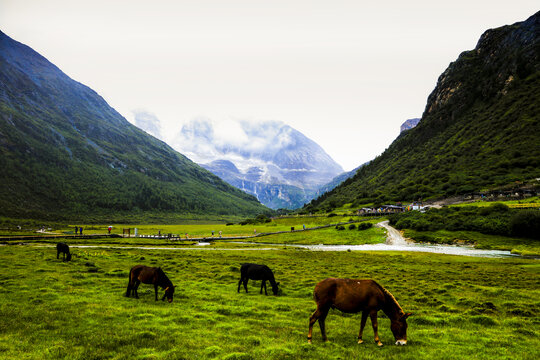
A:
(149, 275)
(257, 272)
(64, 249)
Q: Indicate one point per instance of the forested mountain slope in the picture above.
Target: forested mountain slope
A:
(66, 154)
(480, 128)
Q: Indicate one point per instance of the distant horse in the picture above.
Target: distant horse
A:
(149, 275)
(353, 296)
(64, 249)
(257, 272)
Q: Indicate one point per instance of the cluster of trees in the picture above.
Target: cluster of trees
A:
(496, 219)
(259, 219)
(361, 226)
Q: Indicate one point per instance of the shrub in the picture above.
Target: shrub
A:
(364, 226)
(494, 208)
(340, 227)
(526, 223)
(352, 227)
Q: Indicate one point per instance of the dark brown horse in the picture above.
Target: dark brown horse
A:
(353, 296)
(64, 249)
(149, 275)
(257, 272)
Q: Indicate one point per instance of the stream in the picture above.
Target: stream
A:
(436, 249)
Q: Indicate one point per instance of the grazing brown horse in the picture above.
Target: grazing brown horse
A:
(257, 272)
(149, 275)
(353, 296)
(64, 249)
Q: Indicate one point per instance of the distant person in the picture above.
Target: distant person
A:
(304, 226)
(76, 230)
(80, 230)
(212, 233)
(219, 233)
(109, 229)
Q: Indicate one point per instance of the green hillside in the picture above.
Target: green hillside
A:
(480, 129)
(66, 154)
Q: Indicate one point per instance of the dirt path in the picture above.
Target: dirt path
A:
(393, 236)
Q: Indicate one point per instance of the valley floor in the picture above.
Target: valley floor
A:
(463, 307)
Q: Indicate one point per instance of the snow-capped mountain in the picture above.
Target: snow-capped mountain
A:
(271, 160)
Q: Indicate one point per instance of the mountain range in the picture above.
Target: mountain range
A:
(270, 160)
(67, 155)
(480, 129)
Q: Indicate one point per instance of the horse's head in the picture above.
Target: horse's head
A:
(169, 292)
(275, 288)
(399, 329)
(68, 257)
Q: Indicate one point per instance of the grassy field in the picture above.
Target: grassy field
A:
(327, 236)
(205, 230)
(201, 229)
(463, 307)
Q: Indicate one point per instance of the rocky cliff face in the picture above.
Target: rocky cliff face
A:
(271, 160)
(501, 55)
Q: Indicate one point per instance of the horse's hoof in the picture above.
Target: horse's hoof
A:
(379, 344)
(360, 341)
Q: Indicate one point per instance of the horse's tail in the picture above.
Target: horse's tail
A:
(129, 282)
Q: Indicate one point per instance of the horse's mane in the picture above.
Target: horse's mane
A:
(161, 273)
(388, 295)
(162, 276)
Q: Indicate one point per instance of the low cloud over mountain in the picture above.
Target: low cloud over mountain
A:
(271, 160)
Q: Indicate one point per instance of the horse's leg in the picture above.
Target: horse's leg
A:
(319, 314)
(312, 319)
(135, 288)
(263, 284)
(239, 284)
(373, 316)
(322, 319)
(155, 289)
(365, 314)
(128, 291)
(245, 283)
(57, 254)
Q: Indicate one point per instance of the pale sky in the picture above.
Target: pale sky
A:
(344, 73)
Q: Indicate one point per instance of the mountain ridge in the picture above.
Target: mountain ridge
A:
(480, 128)
(67, 154)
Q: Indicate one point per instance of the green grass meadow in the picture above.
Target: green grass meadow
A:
(463, 307)
(204, 229)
